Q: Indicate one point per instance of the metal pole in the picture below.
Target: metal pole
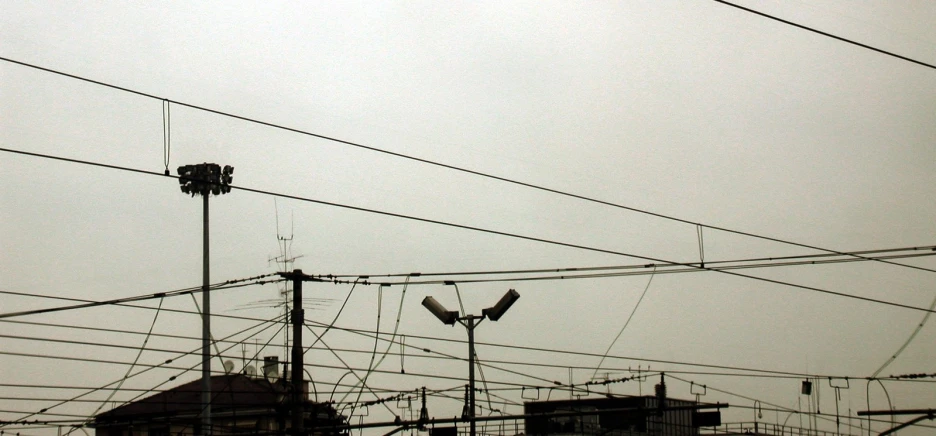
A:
(206, 329)
(471, 374)
(298, 318)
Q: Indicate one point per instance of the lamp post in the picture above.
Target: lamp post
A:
(449, 317)
(205, 179)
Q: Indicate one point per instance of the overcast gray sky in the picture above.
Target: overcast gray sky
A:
(691, 109)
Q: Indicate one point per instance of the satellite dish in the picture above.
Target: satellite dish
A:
(228, 366)
(250, 370)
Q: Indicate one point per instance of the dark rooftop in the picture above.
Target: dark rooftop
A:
(229, 392)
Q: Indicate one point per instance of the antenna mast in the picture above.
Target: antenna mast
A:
(284, 263)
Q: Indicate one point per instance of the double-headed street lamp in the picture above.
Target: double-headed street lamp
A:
(449, 317)
(205, 179)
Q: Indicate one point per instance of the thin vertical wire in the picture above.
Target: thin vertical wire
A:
(598, 367)
(167, 133)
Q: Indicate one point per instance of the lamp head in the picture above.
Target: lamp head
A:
(447, 317)
(494, 313)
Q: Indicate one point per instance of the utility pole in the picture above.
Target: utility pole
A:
(297, 319)
(205, 179)
(470, 325)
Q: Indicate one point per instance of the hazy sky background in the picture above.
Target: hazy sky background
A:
(691, 109)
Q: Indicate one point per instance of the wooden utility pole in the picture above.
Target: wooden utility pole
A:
(298, 319)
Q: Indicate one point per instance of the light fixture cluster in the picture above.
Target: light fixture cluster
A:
(205, 179)
(449, 317)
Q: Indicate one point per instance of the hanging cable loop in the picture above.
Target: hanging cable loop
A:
(167, 133)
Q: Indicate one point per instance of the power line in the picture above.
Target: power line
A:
(223, 285)
(851, 258)
(503, 233)
(444, 165)
(645, 269)
(824, 416)
(368, 333)
(488, 363)
(629, 317)
(132, 306)
(432, 355)
(839, 38)
(271, 323)
(214, 394)
(107, 330)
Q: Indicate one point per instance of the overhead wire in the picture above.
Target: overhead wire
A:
(626, 323)
(214, 395)
(906, 343)
(370, 366)
(346, 366)
(827, 34)
(455, 358)
(211, 338)
(508, 234)
(928, 248)
(100, 344)
(583, 354)
(637, 270)
(449, 356)
(537, 363)
(393, 335)
(442, 354)
(527, 363)
(449, 166)
(368, 333)
(101, 329)
(230, 284)
(149, 368)
(337, 315)
(824, 416)
(133, 306)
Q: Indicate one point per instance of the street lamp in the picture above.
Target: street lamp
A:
(205, 179)
(449, 317)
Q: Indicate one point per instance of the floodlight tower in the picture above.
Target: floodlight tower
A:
(205, 179)
(449, 317)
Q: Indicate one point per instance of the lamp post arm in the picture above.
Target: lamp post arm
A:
(474, 321)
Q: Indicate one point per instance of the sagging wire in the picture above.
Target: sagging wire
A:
(210, 336)
(483, 380)
(393, 335)
(626, 323)
(370, 366)
(458, 294)
(132, 365)
(910, 339)
(348, 367)
(147, 391)
(332, 323)
(227, 385)
(868, 401)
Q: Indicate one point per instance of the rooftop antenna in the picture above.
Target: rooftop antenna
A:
(284, 263)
